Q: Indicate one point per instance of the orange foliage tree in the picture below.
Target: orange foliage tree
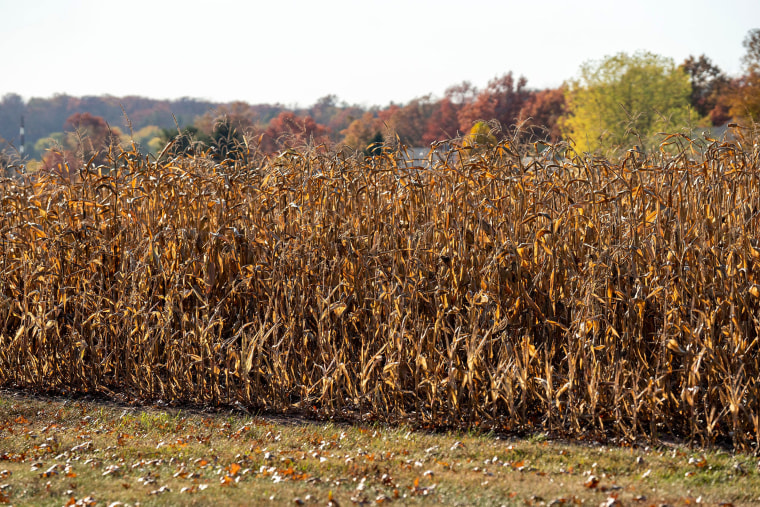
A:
(745, 96)
(288, 130)
(502, 100)
(443, 122)
(362, 131)
(541, 113)
(88, 138)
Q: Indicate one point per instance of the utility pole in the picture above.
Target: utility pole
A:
(21, 137)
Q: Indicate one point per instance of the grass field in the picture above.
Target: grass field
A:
(498, 289)
(59, 452)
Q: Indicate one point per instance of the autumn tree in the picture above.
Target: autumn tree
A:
(93, 135)
(332, 113)
(481, 135)
(60, 160)
(239, 115)
(88, 138)
(502, 100)
(340, 121)
(362, 131)
(44, 116)
(462, 93)
(745, 96)
(751, 44)
(324, 109)
(708, 85)
(541, 114)
(625, 100)
(54, 141)
(9, 163)
(288, 130)
(409, 122)
(443, 123)
(148, 138)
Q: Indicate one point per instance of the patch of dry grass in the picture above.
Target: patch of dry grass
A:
(56, 451)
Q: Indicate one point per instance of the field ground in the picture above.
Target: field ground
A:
(55, 451)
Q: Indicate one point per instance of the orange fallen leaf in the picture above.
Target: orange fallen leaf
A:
(518, 464)
(700, 463)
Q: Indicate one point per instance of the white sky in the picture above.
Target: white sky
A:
(365, 51)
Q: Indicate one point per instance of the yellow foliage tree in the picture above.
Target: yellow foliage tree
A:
(481, 135)
(624, 100)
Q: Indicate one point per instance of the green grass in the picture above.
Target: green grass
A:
(54, 451)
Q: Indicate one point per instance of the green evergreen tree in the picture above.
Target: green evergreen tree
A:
(375, 146)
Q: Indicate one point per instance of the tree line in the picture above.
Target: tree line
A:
(621, 100)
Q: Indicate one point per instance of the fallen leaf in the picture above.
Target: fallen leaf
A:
(701, 462)
(611, 501)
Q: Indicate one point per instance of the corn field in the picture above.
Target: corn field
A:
(496, 287)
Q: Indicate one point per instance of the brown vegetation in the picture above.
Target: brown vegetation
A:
(501, 289)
